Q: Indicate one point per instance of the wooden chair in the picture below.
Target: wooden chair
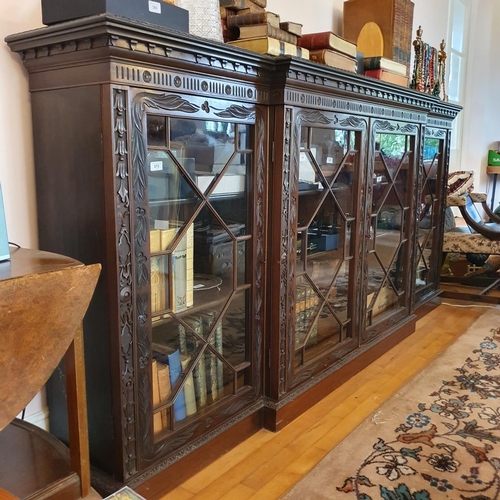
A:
(43, 299)
(479, 242)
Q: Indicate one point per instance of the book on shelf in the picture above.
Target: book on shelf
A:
(172, 358)
(327, 40)
(387, 76)
(220, 365)
(216, 364)
(158, 283)
(380, 62)
(252, 9)
(199, 373)
(154, 241)
(174, 362)
(266, 29)
(254, 18)
(164, 386)
(333, 59)
(157, 420)
(271, 46)
(189, 393)
(179, 277)
(167, 229)
(259, 3)
(182, 262)
(228, 184)
(229, 34)
(232, 4)
(291, 27)
(242, 5)
(190, 265)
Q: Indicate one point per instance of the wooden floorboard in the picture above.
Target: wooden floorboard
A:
(268, 464)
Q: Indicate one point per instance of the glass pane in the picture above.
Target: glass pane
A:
(329, 148)
(427, 217)
(159, 283)
(454, 81)
(326, 214)
(231, 184)
(168, 185)
(234, 328)
(209, 143)
(216, 246)
(156, 134)
(307, 303)
(458, 26)
(309, 180)
(390, 208)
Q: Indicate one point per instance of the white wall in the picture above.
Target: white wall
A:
(16, 145)
(481, 114)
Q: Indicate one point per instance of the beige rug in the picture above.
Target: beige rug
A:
(438, 437)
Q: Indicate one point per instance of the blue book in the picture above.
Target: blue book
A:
(174, 361)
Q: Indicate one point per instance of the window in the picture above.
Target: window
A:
(457, 46)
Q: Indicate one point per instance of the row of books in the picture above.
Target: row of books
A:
(182, 260)
(204, 384)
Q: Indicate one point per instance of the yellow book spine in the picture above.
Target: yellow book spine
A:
(189, 266)
(157, 421)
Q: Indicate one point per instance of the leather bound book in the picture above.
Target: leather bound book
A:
(333, 59)
(327, 40)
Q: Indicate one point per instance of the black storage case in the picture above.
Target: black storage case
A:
(149, 11)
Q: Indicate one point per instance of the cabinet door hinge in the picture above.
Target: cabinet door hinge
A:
(272, 153)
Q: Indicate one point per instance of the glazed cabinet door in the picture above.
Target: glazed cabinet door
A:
(432, 214)
(197, 267)
(325, 187)
(392, 182)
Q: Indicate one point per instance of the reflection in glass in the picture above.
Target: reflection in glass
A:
(326, 211)
(390, 208)
(428, 218)
(156, 131)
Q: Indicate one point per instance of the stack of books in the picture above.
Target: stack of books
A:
(386, 69)
(248, 25)
(330, 49)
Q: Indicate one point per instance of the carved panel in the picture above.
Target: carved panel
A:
(126, 285)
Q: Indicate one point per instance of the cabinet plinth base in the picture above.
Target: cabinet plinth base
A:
(276, 419)
(161, 482)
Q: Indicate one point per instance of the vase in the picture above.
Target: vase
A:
(204, 18)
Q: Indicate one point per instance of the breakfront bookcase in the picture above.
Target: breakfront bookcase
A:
(259, 223)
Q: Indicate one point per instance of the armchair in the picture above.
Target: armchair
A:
(479, 242)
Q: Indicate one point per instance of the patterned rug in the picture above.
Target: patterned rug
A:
(437, 438)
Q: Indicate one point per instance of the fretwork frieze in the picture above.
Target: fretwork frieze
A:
(326, 103)
(171, 80)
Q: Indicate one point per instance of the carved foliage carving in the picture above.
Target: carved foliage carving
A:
(124, 246)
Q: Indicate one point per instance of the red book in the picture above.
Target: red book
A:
(327, 40)
(387, 76)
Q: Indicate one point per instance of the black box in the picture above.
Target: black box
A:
(149, 11)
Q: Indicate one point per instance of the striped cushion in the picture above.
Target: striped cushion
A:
(460, 182)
